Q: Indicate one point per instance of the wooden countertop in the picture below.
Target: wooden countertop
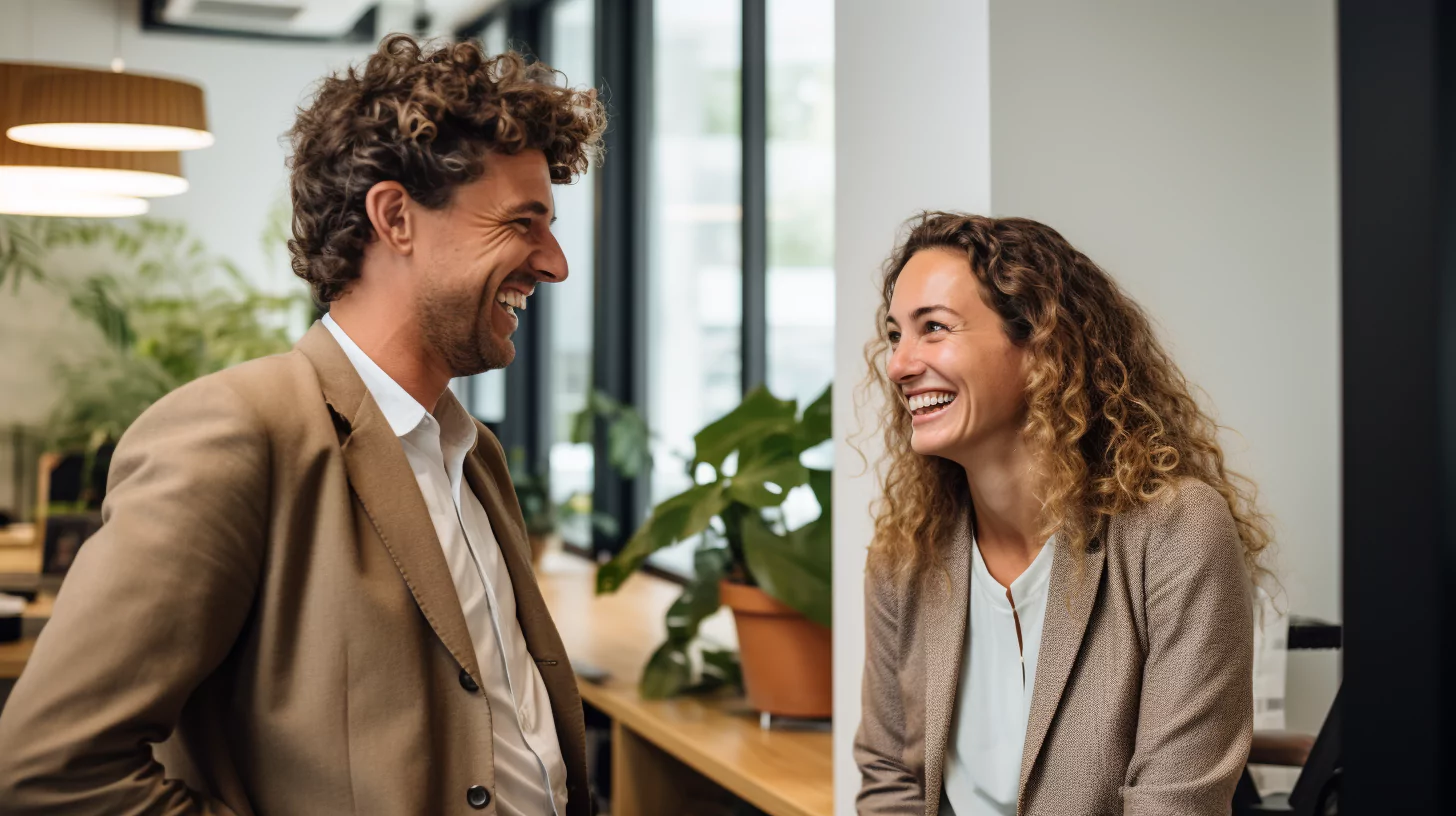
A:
(785, 773)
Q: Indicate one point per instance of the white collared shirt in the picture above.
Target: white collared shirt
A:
(988, 731)
(530, 774)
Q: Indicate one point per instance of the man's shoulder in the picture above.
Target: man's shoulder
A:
(263, 389)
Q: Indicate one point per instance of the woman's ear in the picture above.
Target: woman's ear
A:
(388, 206)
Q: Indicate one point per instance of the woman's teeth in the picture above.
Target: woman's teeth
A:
(929, 402)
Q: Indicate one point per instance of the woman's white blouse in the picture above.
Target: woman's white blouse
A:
(998, 675)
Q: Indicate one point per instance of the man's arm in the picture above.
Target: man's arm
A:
(151, 606)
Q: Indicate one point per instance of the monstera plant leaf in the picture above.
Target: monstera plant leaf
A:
(679, 518)
(669, 671)
(759, 416)
(796, 567)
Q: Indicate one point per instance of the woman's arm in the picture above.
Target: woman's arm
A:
(887, 787)
(1196, 716)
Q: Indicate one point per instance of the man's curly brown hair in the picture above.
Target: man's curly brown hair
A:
(1110, 418)
(425, 116)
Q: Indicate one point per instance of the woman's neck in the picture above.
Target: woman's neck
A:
(1001, 476)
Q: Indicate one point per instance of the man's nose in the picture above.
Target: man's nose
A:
(548, 261)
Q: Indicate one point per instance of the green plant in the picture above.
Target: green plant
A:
(533, 492)
(168, 313)
(750, 461)
(629, 443)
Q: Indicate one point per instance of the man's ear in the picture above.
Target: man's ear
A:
(389, 208)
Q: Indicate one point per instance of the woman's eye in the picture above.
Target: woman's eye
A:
(932, 326)
(894, 338)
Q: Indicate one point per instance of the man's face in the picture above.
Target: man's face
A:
(481, 256)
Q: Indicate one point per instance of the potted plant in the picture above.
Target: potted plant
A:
(533, 493)
(777, 581)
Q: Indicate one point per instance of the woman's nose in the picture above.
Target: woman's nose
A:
(904, 363)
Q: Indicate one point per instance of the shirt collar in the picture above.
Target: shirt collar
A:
(402, 411)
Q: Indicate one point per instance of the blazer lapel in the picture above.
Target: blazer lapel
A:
(386, 487)
(945, 606)
(1070, 599)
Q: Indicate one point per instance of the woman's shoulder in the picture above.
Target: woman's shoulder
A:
(1189, 518)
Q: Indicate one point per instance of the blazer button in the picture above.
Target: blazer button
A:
(467, 683)
(478, 797)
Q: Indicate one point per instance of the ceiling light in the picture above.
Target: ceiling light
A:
(44, 174)
(41, 179)
(83, 109)
(71, 206)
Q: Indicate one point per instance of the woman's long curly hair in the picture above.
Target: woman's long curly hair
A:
(1109, 417)
(424, 115)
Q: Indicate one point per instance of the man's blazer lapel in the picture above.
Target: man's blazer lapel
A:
(386, 487)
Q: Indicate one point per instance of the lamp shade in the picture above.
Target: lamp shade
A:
(38, 180)
(100, 110)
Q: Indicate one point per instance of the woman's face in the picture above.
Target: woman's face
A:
(959, 375)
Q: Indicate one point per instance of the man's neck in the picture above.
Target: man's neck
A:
(395, 344)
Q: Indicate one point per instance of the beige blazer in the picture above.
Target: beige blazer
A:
(1143, 702)
(267, 602)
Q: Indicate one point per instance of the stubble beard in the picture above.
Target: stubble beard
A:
(461, 329)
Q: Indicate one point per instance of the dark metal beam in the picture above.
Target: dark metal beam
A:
(754, 226)
(619, 321)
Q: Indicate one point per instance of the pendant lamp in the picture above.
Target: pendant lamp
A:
(52, 181)
(100, 110)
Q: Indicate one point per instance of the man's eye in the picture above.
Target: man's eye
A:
(524, 223)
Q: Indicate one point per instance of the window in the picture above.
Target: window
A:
(570, 36)
(694, 306)
(701, 253)
(493, 36)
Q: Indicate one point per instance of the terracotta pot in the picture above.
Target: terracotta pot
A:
(787, 666)
(540, 542)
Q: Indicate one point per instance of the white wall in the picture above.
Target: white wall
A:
(1188, 148)
(911, 96)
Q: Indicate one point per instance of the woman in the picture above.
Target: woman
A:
(1059, 595)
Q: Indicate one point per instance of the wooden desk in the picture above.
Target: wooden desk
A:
(785, 773)
(13, 657)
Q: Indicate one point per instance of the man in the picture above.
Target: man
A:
(312, 589)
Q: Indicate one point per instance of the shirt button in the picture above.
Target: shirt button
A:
(477, 797)
(467, 683)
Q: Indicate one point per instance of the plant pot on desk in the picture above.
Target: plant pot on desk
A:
(786, 658)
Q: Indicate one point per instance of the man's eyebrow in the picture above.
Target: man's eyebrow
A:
(533, 208)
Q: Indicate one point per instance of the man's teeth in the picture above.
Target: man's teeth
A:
(512, 300)
(929, 399)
